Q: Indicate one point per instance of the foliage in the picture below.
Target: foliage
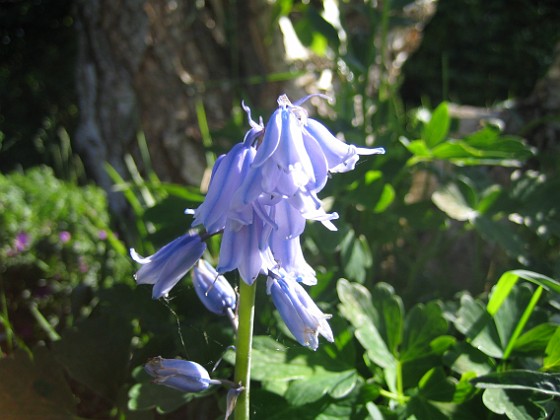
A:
(56, 248)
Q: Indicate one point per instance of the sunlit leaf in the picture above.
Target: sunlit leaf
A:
(435, 131)
(423, 324)
(451, 201)
(476, 323)
(529, 380)
(464, 358)
(312, 388)
(536, 339)
(552, 359)
(508, 280)
(357, 308)
(514, 404)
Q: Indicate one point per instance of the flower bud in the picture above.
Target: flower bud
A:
(181, 375)
(214, 290)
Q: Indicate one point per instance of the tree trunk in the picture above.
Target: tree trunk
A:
(146, 64)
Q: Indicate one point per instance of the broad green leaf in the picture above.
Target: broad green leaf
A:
(529, 380)
(552, 359)
(423, 324)
(464, 358)
(509, 314)
(440, 344)
(451, 201)
(356, 307)
(477, 324)
(508, 280)
(34, 389)
(417, 147)
(312, 388)
(435, 131)
(388, 315)
(536, 339)
(514, 404)
(500, 232)
(386, 198)
(435, 385)
(464, 390)
(271, 361)
(355, 256)
(96, 353)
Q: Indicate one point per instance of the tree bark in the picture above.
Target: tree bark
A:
(145, 64)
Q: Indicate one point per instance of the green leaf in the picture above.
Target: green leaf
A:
(271, 361)
(501, 233)
(435, 131)
(435, 385)
(529, 380)
(388, 315)
(96, 353)
(536, 339)
(313, 388)
(387, 197)
(423, 324)
(34, 389)
(508, 280)
(477, 324)
(516, 405)
(355, 256)
(356, 307)
(464, 358)
(510, 313)
(464, 390)
(552, 359)
(417, 147)
(451, 201)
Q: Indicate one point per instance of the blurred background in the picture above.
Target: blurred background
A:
(112, 114)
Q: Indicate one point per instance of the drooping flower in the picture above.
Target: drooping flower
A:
(244, 248)
(301, 315)
(227, 175)
(340, 156)
(170, 264)
(213, 290)
(179, 374)
(289, 256)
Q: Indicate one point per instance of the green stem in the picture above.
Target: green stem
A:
(522, 321)
(243, 348)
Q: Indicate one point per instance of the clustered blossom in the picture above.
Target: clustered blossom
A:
(261, 194)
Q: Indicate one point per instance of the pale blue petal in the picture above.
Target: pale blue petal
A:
(271, 139)
(213, 290)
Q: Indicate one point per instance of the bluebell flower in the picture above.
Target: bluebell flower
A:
(181, 375)
(244, 248)
(289, 256)
(227, 175)
(170, 264)
(301, 315)
(213, 290)
(340, 156)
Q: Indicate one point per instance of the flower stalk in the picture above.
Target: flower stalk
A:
(243, 348)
